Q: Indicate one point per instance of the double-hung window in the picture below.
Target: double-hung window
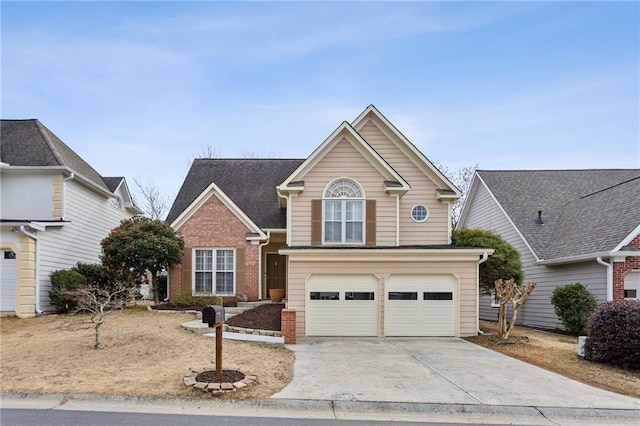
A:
(343, 213)
(214, 271)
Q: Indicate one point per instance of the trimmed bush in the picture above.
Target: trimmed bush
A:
(199, 302)
(613, 334)
(573, 304)
(62, 281)
(503, 264)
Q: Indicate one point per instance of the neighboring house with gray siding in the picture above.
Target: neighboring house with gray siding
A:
(568, 226)
(55, 210)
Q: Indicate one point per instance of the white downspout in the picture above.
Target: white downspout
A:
(64, 193)
(609, 267)
(397, 220)
(288, 219)
(483, 259)
(37, 260)
(260, 264)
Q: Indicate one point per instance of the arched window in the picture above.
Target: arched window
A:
(343, 213)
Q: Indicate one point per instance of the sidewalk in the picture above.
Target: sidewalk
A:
(329, 409)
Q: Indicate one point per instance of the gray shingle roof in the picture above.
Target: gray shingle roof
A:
(30, 143)
(112, 182)
(249, 183)
(584, 211)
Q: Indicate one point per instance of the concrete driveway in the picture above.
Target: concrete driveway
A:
(432, 370)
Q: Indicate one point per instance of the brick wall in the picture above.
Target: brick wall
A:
(215, 226)
(288, 325)
(621, 269)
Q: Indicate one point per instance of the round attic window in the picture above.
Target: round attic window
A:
(419, 213)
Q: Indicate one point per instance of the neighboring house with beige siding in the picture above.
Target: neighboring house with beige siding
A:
(358, 234)
(568, 226)
(55, 209)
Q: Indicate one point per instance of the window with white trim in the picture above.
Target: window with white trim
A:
(214, 271)
(343, 213)
(495, 302)
(419, 213)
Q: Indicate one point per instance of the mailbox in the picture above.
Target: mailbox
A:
(213, 314)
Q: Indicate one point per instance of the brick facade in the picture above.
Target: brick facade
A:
(214, 226)
(621, 269)
(288, 326)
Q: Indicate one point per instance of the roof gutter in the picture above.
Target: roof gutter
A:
(589, 257)
(609, 267)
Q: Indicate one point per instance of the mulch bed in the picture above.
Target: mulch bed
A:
(170, 307)
(263, 317)
(227, 376)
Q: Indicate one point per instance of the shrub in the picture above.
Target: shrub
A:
(199, 302)
(573, 303)
(95, 274)
(613, 334)
(62, 281)
(503, 264)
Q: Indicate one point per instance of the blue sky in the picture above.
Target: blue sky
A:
(140, 88)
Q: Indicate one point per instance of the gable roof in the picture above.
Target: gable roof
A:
(249, 183)
(30, 143)
(113, 182)
(345, 130)
(584, 211)
(446, 188)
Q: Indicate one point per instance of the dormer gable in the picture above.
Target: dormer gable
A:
(393, 182)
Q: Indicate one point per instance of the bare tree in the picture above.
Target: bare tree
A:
(508, 291)
(207, 151)
(461, 178)
(155, 204)
(99, 302)
(254, 154)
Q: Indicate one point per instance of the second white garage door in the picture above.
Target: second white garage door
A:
(420, 305)
(339, 305)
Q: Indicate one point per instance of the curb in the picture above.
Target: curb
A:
(327, 409)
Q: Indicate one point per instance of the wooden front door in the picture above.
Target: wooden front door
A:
(276, 271)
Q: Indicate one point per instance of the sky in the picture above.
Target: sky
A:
(140, 89)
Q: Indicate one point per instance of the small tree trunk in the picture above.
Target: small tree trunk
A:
(98, 324)
(155, 286)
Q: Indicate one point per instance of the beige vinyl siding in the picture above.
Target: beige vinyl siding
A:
(343, 161)
(466, 272)
(423, 191)
(91, 219)
(537, 311)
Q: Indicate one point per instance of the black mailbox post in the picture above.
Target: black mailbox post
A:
(213, 314)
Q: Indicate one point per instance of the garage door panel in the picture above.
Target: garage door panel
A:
(354, 312)
(433, 313)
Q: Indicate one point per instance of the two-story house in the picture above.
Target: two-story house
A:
(358, 234)
(55, 209)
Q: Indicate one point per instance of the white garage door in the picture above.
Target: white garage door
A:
(339, 305)
(420, 305)
(8, 280)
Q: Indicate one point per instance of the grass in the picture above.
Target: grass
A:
(558, 353)
(145, 354)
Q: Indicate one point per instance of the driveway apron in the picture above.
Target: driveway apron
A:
(432, 370)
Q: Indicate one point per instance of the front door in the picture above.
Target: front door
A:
(276, 271)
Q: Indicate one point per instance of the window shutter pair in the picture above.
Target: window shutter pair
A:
(187, 270)
(316, 222)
